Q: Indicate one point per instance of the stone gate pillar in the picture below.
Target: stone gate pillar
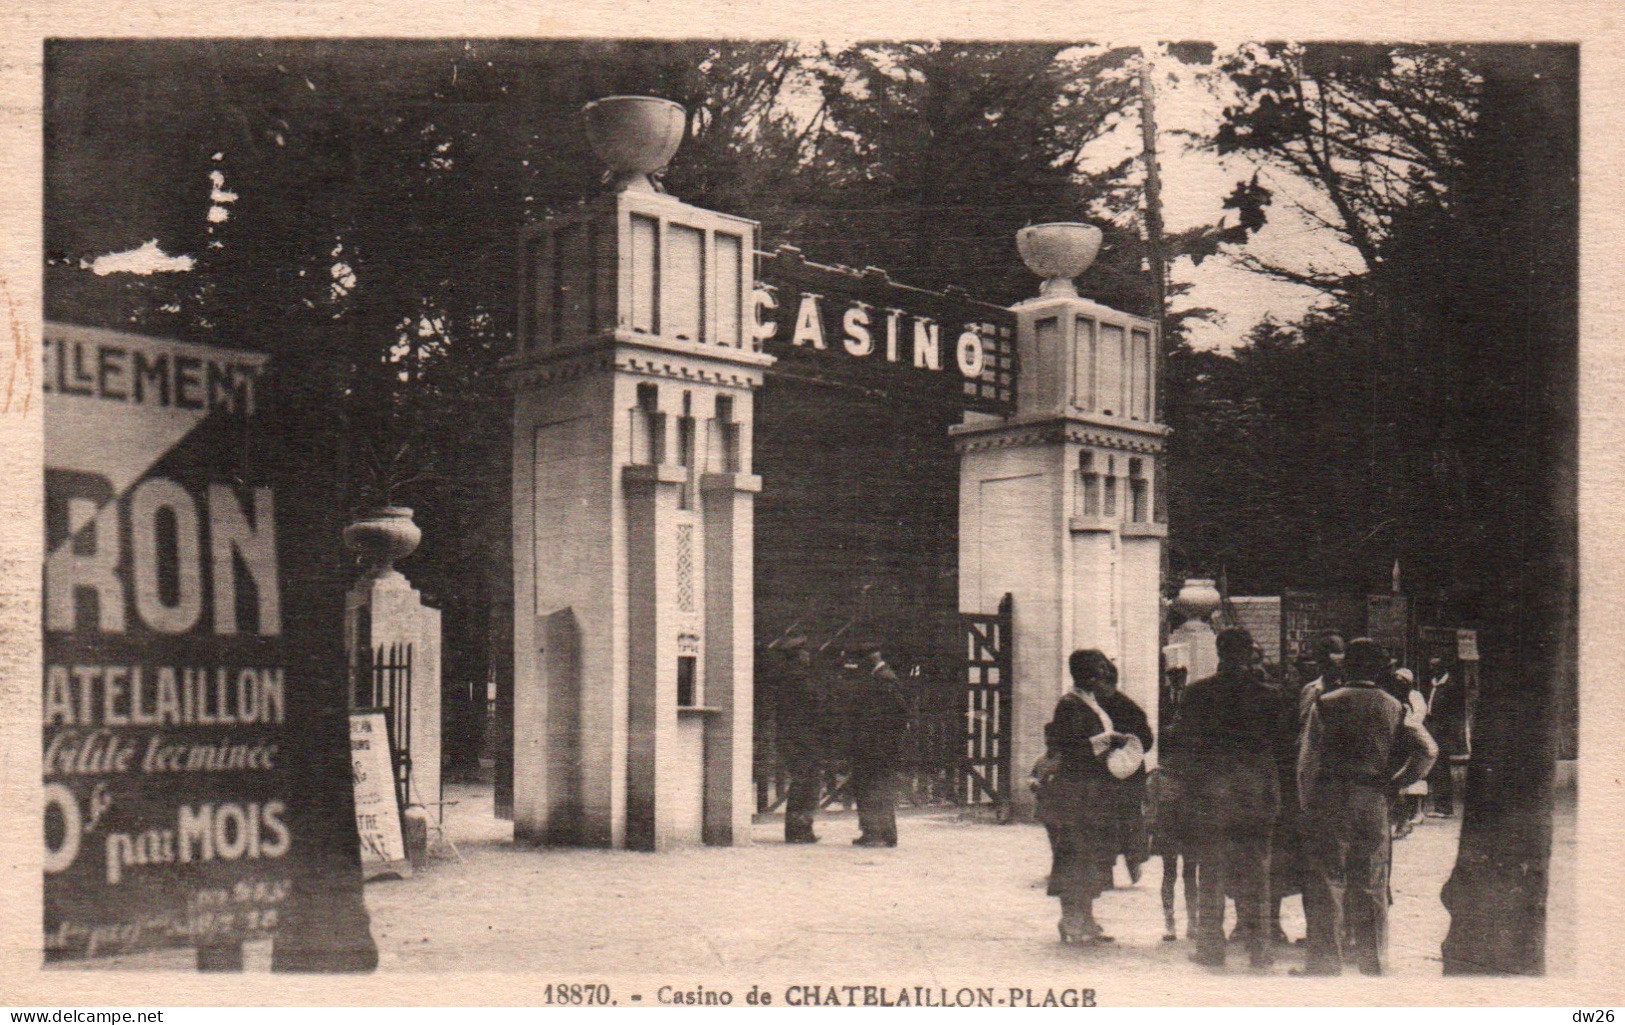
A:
(384, 613)
(1058, 504)
(633, 500)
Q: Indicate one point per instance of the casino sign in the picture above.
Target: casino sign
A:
(861, 329)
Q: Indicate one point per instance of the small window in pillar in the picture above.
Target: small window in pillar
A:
(1089, 481)
(652, 424)
(686, 668)
(729, 431)
(1110, 503)
(1136, 490)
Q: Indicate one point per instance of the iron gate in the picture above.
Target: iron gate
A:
(382, 679)
(984, 774)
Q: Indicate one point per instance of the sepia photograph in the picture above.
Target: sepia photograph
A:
(729, 520)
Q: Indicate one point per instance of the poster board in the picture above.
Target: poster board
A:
(169, 809)
(377, 800)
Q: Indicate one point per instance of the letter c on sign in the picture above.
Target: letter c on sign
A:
(969, 352)
(72, 829)
(762, 330)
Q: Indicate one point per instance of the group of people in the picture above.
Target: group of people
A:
(1251, 778)
(863, 716)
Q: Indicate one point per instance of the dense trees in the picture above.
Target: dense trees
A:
(1428, 415)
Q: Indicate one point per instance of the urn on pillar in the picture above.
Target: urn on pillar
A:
(1058, 252)
(634, 382)
(1197, 599)
(635, 135)
(383, 535)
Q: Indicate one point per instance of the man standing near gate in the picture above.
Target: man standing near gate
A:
(1226, 733)
(799, 715)
(877, 716)
(1357, 748)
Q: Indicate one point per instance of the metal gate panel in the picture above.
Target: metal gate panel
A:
(984, 775)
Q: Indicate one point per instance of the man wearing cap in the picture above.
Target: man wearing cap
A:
(1329, 664)
(1225, 735)
(1358, 747)
(799, 714)
(877, 716)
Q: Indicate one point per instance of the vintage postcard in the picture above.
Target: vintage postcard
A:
(715, 507)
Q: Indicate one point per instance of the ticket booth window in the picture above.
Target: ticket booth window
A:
(686, 666)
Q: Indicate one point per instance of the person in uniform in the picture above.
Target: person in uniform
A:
(877, 716)
(1077, 795)
(1358, 747)
(799, 713)
(1226, 732)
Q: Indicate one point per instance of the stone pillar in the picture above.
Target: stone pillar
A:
(1197, 600)
(1057, 502)
(633, 499)
(382, 611)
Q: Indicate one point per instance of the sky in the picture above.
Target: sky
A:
(1195, 181)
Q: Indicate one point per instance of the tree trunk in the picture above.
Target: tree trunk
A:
(1523, 306)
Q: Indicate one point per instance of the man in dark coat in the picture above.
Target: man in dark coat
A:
(1447, 724)
(1357, 749)
(799, 711)
(877, 715)
(1224, 739)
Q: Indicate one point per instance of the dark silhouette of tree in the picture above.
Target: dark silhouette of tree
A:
(1428, 415)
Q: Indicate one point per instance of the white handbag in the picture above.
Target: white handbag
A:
(1122, 762)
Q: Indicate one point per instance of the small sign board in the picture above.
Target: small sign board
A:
(377, 801)
(1467, 645)
(863, 330)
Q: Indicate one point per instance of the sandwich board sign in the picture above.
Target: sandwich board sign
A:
(377, 800)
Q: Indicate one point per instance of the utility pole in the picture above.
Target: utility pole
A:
(1153, 186)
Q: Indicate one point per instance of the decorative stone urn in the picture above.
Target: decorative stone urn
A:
(1058, 252)
(1197, 599)
(382, 535)
(635, 136)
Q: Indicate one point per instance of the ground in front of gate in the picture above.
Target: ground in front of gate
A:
(959, 902)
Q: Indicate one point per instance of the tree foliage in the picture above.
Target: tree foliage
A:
(1428, 415)
(1375, 131)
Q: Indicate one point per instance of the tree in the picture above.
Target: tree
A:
(1443, 418)
(926, 158)
(1375, 131)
